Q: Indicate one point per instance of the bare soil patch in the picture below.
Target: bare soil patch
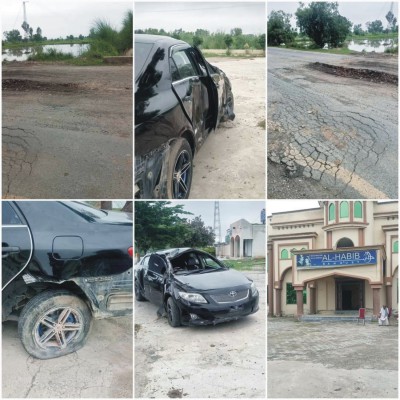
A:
(25, 85)
(355, 73)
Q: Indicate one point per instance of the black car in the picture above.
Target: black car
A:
(62, 264)
(194, 288)
(179, 99)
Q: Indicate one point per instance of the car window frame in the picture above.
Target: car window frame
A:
(182, 48)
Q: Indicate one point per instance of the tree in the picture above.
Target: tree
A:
(158, 225)
(197, 41)
(357, 30)
(279, 28)
(13, 36)
(374, 26)
(228, 41)
(37, 37)
(236, 32)
(322, 22)
(199, 234)
(261, 41)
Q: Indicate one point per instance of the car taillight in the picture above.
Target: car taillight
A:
(130, 251)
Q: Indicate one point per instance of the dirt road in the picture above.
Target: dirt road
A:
(339, 131)
(67, 131)
(332, 360)
(226, 360)
(101, 369)
(231, 163)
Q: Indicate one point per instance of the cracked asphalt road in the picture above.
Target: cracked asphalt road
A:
(340, 132)
(101, 369)
(67, 131)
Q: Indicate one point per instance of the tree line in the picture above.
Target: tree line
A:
(158, 225)
(205, 39)
(322, 23)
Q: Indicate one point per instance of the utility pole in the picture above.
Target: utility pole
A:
(25, 25)
(217, 222)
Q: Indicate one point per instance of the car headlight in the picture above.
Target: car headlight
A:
(192, 297)
(253, 289)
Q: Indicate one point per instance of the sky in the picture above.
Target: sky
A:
(358, 12)
(60, 18)
(275, 206)
(230, 211)
(212, 16)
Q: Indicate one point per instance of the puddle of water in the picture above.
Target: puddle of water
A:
(376, 45)
(22, 54)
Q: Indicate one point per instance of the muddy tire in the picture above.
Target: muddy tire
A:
(179, 170)
(54, 323)
(138, 294)
(173, 313)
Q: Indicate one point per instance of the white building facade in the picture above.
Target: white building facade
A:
(245, 240)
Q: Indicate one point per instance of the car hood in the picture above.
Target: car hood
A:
(220, 279)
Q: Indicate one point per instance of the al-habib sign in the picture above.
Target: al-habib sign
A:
(336, 259)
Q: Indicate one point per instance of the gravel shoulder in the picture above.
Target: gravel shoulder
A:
(222, 361)
(231, 163)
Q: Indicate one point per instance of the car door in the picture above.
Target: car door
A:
(215, 84)
(17, 243)
(187, 87)
(153, 279)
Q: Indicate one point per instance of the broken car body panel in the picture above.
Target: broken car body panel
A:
(71, 246)
(177, 94)
(220, 294)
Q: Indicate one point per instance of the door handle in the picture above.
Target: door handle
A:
(6, 251)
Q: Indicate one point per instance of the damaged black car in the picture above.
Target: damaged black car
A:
(179, 99)
(194, 288)
(63, 264)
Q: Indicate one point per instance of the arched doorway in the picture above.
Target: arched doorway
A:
(237, 246)
(350, 293)
(232, 247)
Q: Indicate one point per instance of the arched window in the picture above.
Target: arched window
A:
(396, 246)
(345, 242)
(358, 212)
(344, 209)
(284, 254)
(331, 212)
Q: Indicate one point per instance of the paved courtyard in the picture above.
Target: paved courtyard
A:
(312, 359)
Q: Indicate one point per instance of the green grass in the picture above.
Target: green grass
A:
(21, 45)
(50, 55)
(246, 264)
(392, 50)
